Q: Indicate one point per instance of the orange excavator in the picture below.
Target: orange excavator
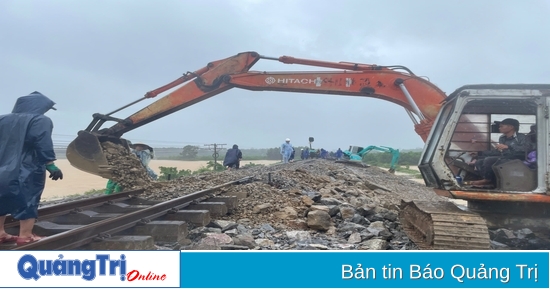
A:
(451, 126)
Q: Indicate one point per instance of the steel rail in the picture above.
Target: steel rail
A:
(78, 237)
(48, 212)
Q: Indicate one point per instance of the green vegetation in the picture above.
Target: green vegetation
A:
(170, 173)
(94, 191)
(251, 164)
(189, 152)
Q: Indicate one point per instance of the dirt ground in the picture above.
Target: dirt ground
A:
(76, 181)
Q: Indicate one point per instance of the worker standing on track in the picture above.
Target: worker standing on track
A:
(286, 150)
(26, 152)
(233, 158)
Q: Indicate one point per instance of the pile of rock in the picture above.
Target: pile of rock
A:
(523, 239)
(314, 204)
(126, 168)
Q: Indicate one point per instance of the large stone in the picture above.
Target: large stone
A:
(315, 196)
(319, 220)
(330, 201)
(374, 244)
(333, 210)
(320, 208)
(217, 239)
(386, 214)
(318, 247)
(223, 223)
(260, 208)
(201, 232)
(524, 233)
(298, 224)
(244, 240)
(354, 238)
(264, 242)
(358, 219)
(347, 212)
(298, 235)
(379, 229)
(307, 201)
(348, 226)
(286, 213)
(504, 236)
(267, 228)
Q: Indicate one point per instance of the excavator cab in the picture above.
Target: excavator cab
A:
(519, 196)
(468, 123)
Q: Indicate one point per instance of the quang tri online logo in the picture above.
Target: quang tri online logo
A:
(29, 267)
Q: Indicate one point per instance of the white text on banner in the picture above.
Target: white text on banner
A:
(364, 269)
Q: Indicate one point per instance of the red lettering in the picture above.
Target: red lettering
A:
(132, 275)
(135, 275)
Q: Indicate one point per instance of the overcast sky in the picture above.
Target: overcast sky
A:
(96, 56)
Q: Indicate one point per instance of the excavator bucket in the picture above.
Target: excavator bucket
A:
(85, 153)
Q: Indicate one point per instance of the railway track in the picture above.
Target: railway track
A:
(123, 221)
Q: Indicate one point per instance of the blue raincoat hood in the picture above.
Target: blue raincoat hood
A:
(34, 103)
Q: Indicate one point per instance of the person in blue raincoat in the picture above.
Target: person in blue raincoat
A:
(324, 153)
(233, 157)
(339, 154)
(286, 150)
(26, 153)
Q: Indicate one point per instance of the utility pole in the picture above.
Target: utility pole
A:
(216, 147)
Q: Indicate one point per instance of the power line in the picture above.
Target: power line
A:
(215, 147)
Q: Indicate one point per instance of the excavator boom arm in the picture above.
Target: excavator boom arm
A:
(354, 80)
(413, 93)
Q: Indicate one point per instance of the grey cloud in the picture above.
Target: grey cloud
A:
(96, 56)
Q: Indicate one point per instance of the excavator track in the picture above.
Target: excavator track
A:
(443, 226)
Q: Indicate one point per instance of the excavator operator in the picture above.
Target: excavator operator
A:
(511, 145)
(531, 158)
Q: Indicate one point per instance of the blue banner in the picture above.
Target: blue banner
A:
(363, 269)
